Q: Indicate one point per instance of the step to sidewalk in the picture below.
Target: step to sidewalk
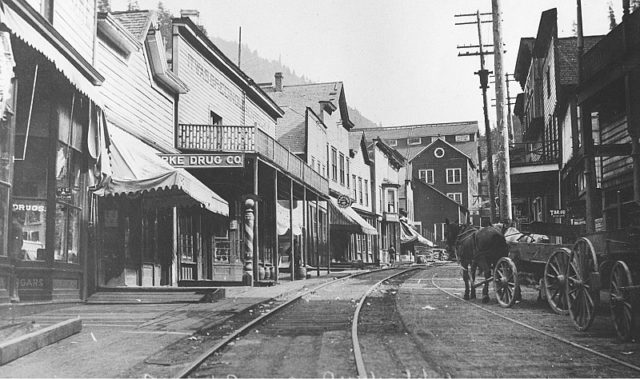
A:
(156, 295)
(31, 340)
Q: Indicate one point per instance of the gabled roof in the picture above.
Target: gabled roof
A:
(525, 53)
(421, 130)
(291, 131)
(466, 149)
(357, 142)
(136, 22)
(129, 31)
(547, 30)
(394, 156)
(417, 182)
(301, 96)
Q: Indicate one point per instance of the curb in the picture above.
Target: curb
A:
(17, 347)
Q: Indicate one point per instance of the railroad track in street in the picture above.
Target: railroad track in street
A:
(314, 334)
(465, 338)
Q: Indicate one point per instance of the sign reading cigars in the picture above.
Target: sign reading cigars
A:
(224, 160)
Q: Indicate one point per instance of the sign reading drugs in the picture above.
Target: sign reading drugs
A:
(204, 160)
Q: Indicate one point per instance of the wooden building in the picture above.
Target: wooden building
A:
(610, 89)
(547, 173)
(446, 171)
(327, 105)
(49, 152)
(278, 202)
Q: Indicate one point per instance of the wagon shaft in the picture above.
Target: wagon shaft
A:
(483, 282)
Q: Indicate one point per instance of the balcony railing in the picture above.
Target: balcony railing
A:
(532, 154)
(248, 139)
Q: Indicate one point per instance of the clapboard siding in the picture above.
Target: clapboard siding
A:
(211, 91)
(133, 99)
(75, 20)
(613, 168)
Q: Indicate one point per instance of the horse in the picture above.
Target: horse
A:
(478, 248)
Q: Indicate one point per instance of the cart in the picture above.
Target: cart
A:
(571, 277)
(538, 263)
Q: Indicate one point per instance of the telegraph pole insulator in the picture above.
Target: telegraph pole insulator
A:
(484, 78)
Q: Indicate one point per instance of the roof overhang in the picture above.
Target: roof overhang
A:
(158, 62)
(116, 33)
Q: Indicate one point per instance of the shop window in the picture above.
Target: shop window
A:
(454, 176)
(341, 169)
(29, 203)
(4, 219)
(366, 192)
(69, 195)
(455, 196)
(360, 190)
(222, 250)
(214, 118)
(354, 192)
(29, 223)
(334, 164)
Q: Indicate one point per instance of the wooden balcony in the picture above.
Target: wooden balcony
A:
(611, 48)
(534, 154)
(248, 139)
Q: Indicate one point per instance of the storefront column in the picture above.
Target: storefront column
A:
(292, 263)
(275, 226)
(317, 244)
(257, 257)
(247, 276)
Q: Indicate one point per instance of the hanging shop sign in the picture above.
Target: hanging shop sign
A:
(344, 201)
(558, 212)
(204, 160)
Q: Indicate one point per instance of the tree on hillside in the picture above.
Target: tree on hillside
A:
(104, 6)
(164, 24)
(612, 17)
(132, 5)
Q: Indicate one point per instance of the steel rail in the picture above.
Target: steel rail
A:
(193, 365)
(550, 335)
(362, 371)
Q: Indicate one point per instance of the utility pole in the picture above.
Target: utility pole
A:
(239, 44)
(587, 135)
(510, 101)
(504, 171)
(483, 74)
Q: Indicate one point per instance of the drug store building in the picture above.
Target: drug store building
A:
(278, 210)
(49, 150)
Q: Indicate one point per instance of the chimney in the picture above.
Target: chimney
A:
(193, 14)
(278, 86)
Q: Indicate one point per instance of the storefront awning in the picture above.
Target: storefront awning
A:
(137, 168)
(30, 27)
(347, 219)
(410, 235)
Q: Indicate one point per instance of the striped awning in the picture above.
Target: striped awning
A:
(31, 28)
(137, 169)
(348, 220)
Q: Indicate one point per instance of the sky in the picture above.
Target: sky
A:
(398, 59)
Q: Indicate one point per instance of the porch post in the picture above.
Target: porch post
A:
(247, 276)
(292, 245)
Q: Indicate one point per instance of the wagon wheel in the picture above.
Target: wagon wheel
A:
(554, 281)
(582, 284)
(505, 282)
(621, 304)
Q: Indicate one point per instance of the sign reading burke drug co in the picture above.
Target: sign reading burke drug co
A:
(204, 160)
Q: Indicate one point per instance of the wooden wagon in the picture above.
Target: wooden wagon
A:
(572, 276)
